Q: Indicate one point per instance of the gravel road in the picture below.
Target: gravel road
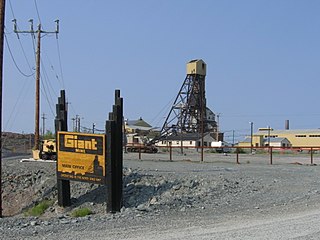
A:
(183, 199)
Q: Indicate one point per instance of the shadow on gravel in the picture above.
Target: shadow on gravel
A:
(137, 189)
(96, 196)
(141, 188)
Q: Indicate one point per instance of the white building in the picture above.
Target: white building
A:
(277, 142)
(188, 140)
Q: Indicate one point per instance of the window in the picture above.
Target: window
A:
(190, 142)
(177, 142)
(300, 136)
(314, 135)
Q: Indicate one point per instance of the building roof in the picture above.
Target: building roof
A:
(195, 60)
(276, 139)
(138, 123)
(247, 140)
(272, 139)
(185, 137)
(295, 131)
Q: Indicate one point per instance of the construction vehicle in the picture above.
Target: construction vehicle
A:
(47, 150)
(138, 143)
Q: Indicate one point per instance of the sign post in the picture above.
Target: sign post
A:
(94, 158)
(61, 124)
(115, 155)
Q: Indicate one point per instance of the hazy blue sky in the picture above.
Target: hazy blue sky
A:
(262, 57)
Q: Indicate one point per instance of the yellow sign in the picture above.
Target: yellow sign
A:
(81, 157)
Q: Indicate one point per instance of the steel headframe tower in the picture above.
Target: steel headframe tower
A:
(189, 113)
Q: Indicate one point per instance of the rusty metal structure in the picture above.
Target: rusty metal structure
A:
(189, 112)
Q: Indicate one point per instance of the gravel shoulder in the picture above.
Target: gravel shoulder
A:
(183, 199)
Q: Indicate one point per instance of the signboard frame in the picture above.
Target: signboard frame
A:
(81, 157)
(112, 150)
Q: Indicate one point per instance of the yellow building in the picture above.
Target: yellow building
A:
(197, 66)
(296, 138)
(257, 141)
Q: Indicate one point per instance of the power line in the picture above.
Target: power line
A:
(53, 69)
(13, 114)
(39, 31)
(165, 109)
(46, 84)
(35, 3)
(59, 55)
(24, 54)
(11, 9)
(14, 61)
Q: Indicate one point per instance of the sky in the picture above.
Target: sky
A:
(262, 59)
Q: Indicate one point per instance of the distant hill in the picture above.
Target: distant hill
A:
(16, 143)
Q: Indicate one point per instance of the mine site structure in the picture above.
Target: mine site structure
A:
(188, 115)
(189, 112)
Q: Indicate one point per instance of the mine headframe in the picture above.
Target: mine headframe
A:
(189, 113)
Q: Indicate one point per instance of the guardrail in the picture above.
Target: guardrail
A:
(235, 150)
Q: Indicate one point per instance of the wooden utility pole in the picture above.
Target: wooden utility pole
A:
(37, 109)
(37, 99)
(2, 12)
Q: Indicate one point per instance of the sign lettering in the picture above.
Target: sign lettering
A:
(81, 157)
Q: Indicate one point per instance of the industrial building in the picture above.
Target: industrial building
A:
(187, 140)
(283, 138)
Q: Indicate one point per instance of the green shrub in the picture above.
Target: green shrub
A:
(39, 209)
(49, 135)
(81, 212)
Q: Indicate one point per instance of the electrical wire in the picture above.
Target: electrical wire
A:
(59, 56)
(14, 61)
(45, 87)
(164, 109)
(35, 3)
(54, 71)
(15, 110)
(23, 51)
(11, 9)
(45, 83)
(25, 56)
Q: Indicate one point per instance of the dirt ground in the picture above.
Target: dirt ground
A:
(179, 199)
